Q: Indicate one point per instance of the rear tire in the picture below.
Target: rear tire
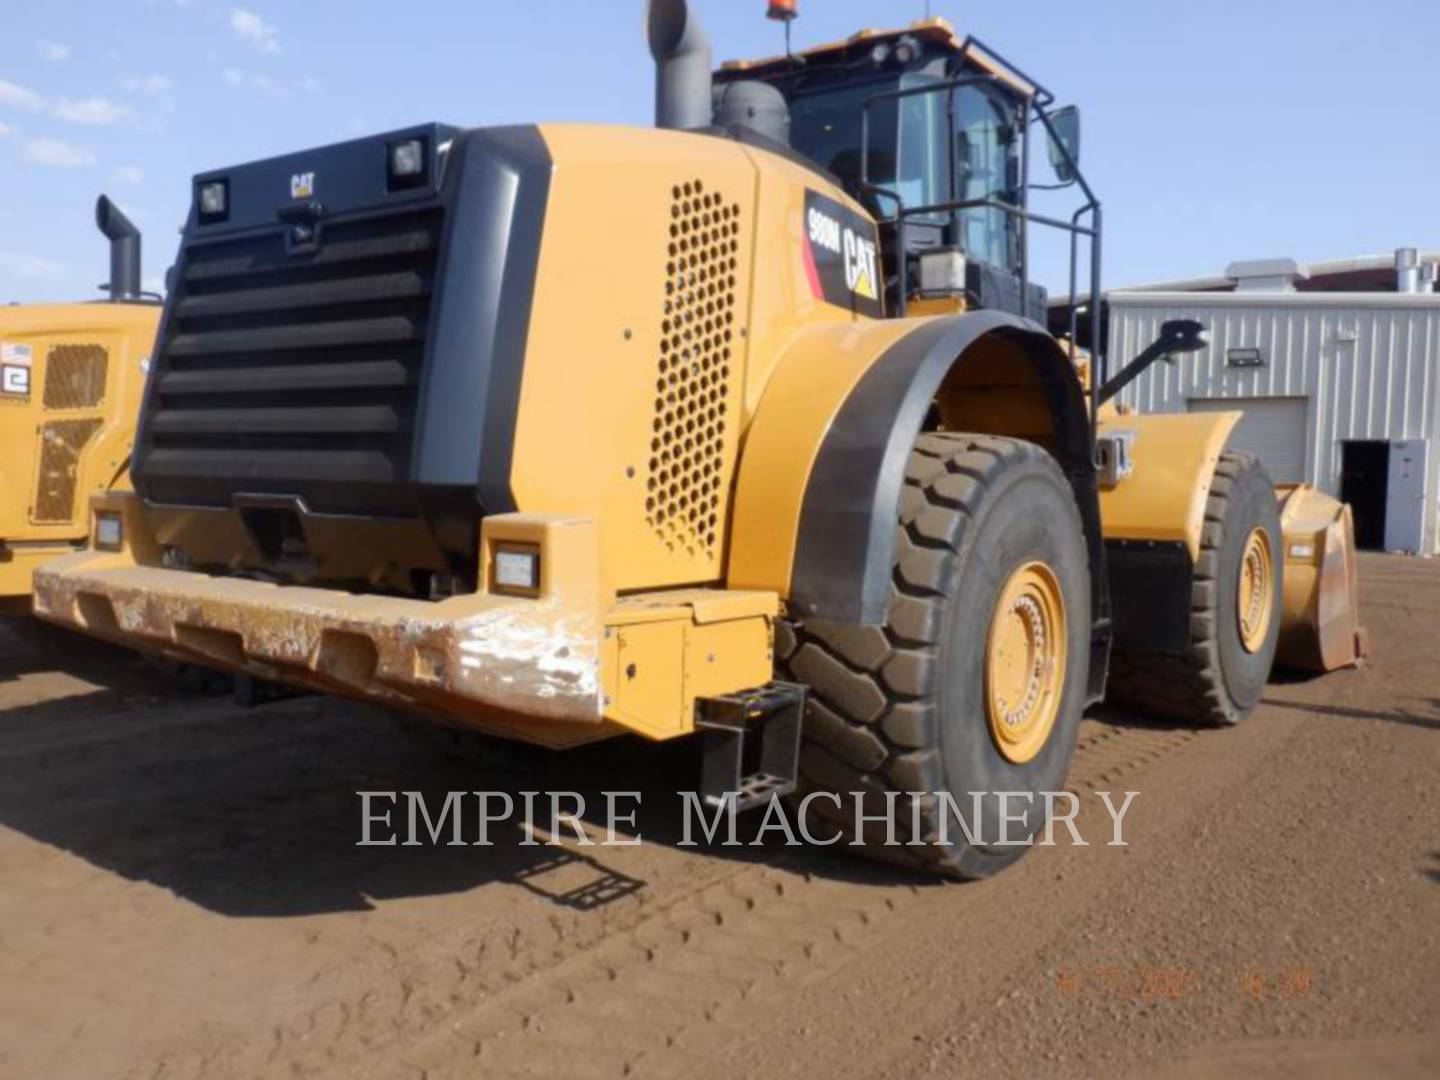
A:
(1219, 680)
(909, 706)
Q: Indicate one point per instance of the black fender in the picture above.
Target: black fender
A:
(846, 544)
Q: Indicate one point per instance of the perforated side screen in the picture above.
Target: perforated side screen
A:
(75, 376)
(696, 350)
(61, 443)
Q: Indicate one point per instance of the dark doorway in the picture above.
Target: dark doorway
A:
(1364, 483)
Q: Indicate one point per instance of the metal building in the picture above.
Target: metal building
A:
(1339, 389)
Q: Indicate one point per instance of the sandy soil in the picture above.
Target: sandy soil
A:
(181, 896)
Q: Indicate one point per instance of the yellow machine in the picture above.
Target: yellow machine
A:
(560, 433)
(72, 380)
(1320, 626)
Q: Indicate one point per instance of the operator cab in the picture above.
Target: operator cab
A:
(930, 133)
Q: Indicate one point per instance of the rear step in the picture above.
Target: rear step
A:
(747, 770)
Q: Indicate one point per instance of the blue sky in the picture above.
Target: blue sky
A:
(1213, 131)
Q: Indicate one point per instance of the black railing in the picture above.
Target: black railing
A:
(1036, 102)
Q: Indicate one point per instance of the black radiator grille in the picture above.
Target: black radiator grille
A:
(295, 374)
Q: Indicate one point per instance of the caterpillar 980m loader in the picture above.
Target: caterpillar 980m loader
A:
(565, 432)
(71, 377)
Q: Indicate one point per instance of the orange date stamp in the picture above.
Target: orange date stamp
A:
(1151, 984)
(1286, 984)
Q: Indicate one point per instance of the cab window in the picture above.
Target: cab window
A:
(907, 154)
(984, 168)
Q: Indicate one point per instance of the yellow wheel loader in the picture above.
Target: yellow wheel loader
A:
(742, 428)
(71, 377)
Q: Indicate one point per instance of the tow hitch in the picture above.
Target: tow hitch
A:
(752, 744)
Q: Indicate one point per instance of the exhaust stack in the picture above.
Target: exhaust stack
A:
(1407, 270)
(683, 84)
(124, 240)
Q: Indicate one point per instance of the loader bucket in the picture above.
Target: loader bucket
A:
(1320, 629)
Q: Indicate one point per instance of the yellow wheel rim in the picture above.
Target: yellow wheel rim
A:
(1255, 592)
(1025, 662)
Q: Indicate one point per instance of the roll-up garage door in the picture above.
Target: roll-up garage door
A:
(1273, 429)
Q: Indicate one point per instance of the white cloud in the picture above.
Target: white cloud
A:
(264, 83)
(5, 129)
(30, 266)
(310, 84)
(19, 97)
(96, 111)
(254, 30)
(54, 51)
(148, 85)
(129, 174)
(57, 153)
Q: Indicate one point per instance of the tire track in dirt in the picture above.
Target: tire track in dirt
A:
(387, 986)
(150, 949)
(656, 975)
(633, 1003)
(716, 942)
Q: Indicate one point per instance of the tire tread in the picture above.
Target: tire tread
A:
(1190, 688)
(876, 730)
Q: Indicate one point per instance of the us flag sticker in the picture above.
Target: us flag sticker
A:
(15, 369)
(14, 355)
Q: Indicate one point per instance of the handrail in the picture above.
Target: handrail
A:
(1036, 103)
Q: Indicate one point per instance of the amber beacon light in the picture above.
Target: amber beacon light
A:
(782, 10)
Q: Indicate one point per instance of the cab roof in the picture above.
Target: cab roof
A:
(936, 32)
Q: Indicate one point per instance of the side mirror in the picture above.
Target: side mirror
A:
(1065, 139)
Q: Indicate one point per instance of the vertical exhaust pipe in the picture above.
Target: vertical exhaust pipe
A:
(683, 81)
(1407, 270)
(124, 240)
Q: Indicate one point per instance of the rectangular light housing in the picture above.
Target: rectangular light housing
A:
(942, 273)
(408, 164)
(515, 569)
(212, 198)
(109, 532)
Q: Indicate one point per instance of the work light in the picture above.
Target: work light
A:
(109, 532)
(906, 50)
(516, 569)
(942, 273)
(407, 163)
(214, 199)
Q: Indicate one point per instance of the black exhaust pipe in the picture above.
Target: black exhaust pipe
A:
(683, 82)
(124, 240)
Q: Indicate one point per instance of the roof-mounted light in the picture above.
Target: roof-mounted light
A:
(907, 50)
(408, 162)
(212, 198)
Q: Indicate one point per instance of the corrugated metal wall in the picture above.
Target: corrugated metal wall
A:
(1368, 363)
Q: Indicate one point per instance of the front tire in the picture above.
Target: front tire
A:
(976, 680)
(1236, 591)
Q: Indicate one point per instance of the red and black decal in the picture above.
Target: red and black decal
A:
(842, 256)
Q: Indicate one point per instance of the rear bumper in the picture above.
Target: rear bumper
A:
(569, 665)
(473, 653)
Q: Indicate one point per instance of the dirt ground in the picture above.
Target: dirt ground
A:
(181, 895)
